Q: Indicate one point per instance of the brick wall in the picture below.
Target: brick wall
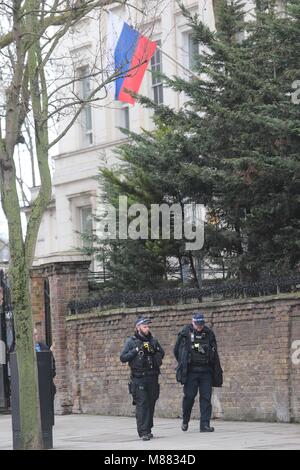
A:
(255, 337)
(66, 281)
(295, 369)
(37, 299)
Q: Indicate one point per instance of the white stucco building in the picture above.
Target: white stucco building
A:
(90, 142)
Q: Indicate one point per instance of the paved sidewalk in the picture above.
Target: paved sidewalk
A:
(83, 432)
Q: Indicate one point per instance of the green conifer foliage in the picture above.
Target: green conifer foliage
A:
(235, 144)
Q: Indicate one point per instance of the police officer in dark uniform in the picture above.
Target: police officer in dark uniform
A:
(144, 355)
(198, 364)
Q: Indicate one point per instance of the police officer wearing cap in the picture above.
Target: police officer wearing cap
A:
(198, 369)
(144, 355)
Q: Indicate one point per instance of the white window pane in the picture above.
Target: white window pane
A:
(86, 115)
(125, 118)
(156, 66)
(193, 50)
(86, 219)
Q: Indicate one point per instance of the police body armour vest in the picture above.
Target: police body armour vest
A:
(200, 354)
(143, 362)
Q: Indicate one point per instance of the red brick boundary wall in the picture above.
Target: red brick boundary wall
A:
(255, 338)
(66, 281)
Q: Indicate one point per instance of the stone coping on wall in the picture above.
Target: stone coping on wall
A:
(247, 304)
(60, 267)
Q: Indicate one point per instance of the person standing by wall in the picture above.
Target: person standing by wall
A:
(144, 355)
(198, 369)
(40, 346)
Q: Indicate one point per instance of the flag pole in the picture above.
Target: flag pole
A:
(178, 63)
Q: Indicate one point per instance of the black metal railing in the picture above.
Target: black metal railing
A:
(218, 291)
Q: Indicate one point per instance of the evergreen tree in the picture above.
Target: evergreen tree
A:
(234, 146)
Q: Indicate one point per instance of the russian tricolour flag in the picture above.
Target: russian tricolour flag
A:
(130, 53)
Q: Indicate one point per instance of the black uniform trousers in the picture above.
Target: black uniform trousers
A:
(198, 381)
(145, 393)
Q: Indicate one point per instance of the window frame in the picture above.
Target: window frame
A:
(125, 117)
(157, 84)
(83, 73)
(82, 223)
(193, 49)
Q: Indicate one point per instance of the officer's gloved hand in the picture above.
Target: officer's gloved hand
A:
(147, 347)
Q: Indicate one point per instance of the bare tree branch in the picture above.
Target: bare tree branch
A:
(76, 12)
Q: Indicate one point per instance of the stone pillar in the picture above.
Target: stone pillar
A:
(67, 281)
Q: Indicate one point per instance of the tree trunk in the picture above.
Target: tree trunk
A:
(31, 437)
(193, 269)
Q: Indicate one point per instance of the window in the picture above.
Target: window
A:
(125, 118)
(193, 51)
(86, 223)
(122, 120)
(156, 66)
(86, 115)
(240, 36)
(148, 5)
(282, 7)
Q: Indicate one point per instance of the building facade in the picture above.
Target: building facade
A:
(60, 269)
(91, 141)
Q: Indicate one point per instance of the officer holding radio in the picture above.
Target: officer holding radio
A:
(198, 369)
(144, 355)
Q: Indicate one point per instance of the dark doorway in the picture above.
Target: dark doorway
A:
(48, 327)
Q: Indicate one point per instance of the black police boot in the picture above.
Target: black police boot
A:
(205, 427)
(184, 426)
